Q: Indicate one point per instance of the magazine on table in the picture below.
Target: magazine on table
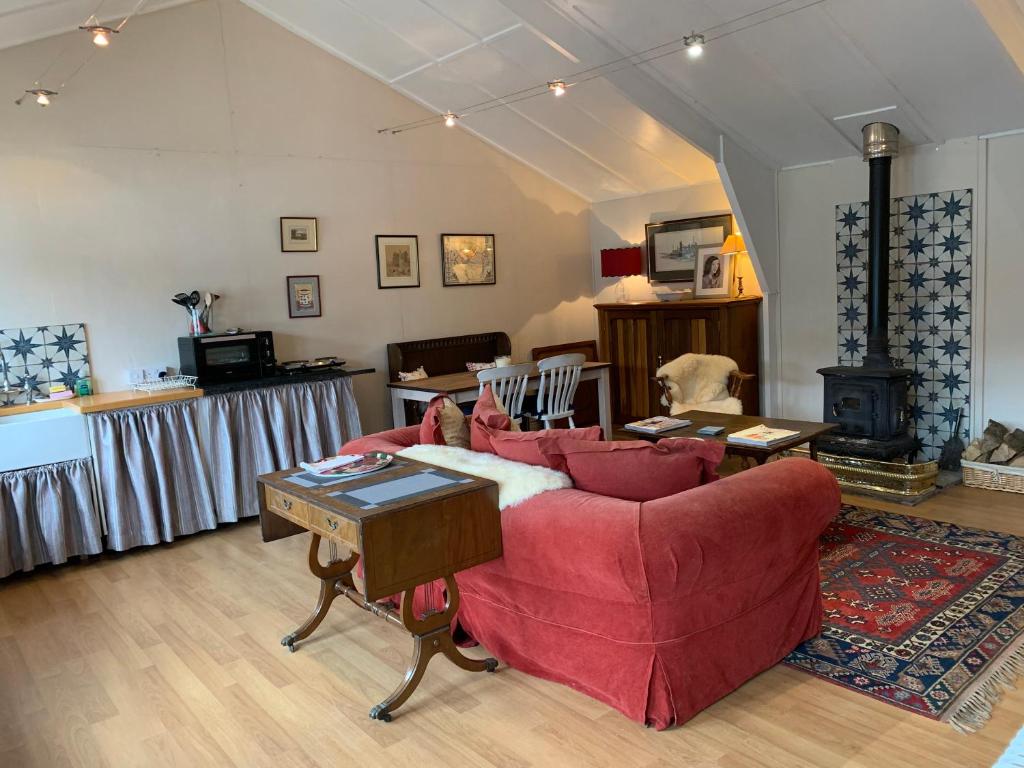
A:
(656, 424)
(348, 464)
(761, 436)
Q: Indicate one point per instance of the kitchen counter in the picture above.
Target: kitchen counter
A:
(281, 379)
(110, 401)
(105, 401)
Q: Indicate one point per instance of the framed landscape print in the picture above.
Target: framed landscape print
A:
(714, 272)
(298, 234)
(673, 246)
(398, 261)
(303, 295)
(468, 260)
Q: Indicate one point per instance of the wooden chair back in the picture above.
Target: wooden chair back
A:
(559, 377)
(508, 383)
(587, 413)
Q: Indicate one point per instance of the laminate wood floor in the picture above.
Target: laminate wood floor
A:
(169, 656)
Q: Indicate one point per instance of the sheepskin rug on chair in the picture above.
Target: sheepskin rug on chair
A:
(516, 482)
(700, 383)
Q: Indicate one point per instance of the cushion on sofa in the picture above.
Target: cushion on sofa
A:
(444, 424)
(635, 470)
(488, 415)
(524, 446)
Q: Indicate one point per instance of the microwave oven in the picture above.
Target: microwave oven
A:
(221, 357)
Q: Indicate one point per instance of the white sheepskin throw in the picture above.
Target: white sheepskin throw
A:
(517, 482)
(700, 383)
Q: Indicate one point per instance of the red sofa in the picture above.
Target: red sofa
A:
(657, 608)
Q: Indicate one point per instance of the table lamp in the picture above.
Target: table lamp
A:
(733, 246)
(622, 262)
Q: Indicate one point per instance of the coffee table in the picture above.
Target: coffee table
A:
(809, 432)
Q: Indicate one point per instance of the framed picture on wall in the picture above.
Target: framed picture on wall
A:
(298, 234)
(468, 260)
(674, 246)
(398, 261)
(303, 295)
(714, 272)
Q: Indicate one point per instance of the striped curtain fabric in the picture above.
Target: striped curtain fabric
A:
(47, 515)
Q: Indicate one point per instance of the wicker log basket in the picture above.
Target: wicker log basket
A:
(996, 459)
(994, 477)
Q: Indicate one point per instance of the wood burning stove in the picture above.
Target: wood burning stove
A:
(869, 402)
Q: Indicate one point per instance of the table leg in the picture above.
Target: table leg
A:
(604, 402)
(332, 576)
(397, 408)
(431, 635)
(813, 447)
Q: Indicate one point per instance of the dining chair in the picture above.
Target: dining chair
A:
(508, 383)
(559, 377)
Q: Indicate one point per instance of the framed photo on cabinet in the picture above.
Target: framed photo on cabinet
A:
(298, 234)
(468, 260)
(714, 273)
(398, 261)
(673, 247)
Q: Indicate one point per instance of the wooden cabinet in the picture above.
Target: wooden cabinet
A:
(637, 338)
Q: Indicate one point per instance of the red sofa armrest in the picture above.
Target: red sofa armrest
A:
(390, 441)
(738, 540)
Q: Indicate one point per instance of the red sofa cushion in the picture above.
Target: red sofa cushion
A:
(525, 446)
(488, 415)
(635, 470)
(430, 428)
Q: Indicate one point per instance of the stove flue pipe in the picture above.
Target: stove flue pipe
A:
(881, 145)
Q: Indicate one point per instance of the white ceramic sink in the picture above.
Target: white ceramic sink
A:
(42, 437)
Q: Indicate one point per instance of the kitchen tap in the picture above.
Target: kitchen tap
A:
(8, 391)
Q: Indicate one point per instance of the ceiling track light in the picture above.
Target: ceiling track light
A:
(100, 34)
(557, 87)
(450, 118)
(694, 43)
(42, 96)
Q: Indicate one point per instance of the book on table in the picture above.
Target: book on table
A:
(656, 424)
(761, 436)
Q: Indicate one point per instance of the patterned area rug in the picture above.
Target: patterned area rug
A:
(924, 615)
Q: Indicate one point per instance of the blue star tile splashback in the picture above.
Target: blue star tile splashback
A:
(43, 355)
(929, 304)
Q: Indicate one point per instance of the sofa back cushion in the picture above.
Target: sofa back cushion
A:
(525, 446)
(488, 415)
(444, 424)
(635, 470)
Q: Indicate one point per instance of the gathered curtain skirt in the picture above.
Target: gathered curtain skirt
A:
(174, 469)
(47, 515)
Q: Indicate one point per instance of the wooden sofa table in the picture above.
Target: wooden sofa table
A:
(410, 523)
(808, 432)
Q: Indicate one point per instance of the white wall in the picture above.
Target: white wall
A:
(619, 223)
(807, 197)
(165, 165)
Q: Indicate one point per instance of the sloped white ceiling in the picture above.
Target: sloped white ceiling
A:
(946, 69)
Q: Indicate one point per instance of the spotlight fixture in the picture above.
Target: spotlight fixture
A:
(100, 34)
(557, 87)
(42, 96)
(449, 119)
(694, 43)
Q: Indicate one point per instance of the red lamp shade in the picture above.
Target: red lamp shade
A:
(621, 262)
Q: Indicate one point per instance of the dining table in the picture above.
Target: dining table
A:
(463, 387)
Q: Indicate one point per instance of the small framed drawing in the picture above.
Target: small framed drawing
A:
(398, 261)
(714, 272)
(298, 234)
(468, 260)
(672, 246)
(303, 295)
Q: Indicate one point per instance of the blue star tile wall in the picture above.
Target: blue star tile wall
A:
(929, 304)
(43, 355)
